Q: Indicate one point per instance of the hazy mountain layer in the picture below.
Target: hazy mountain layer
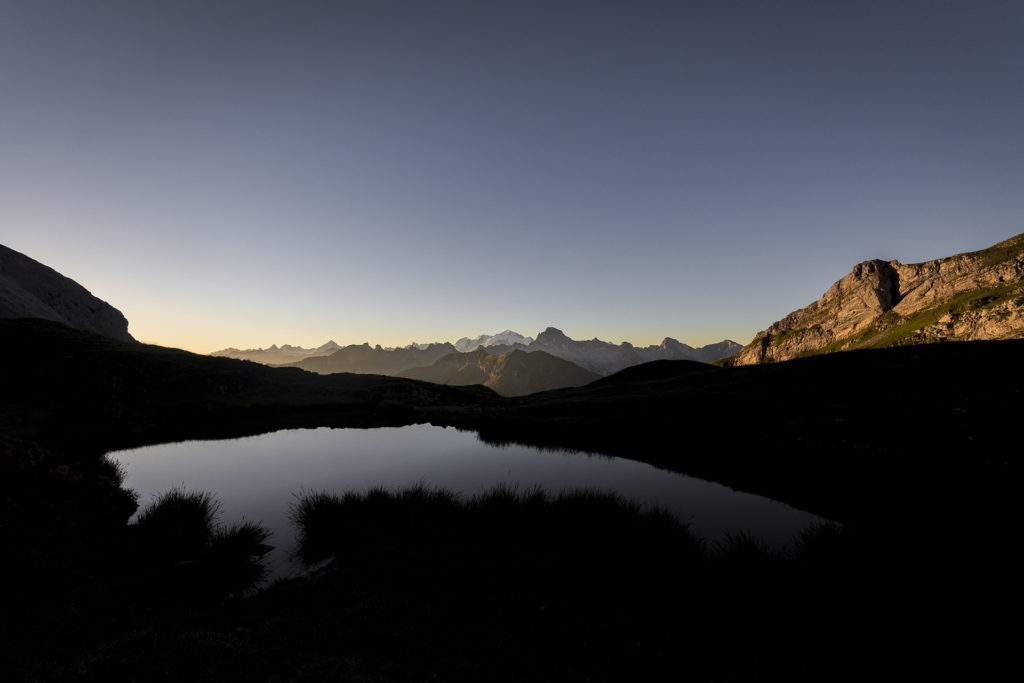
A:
(595, 355)
(516, 373)
(28, 289)
(277, 355)
(972, 296)
(363, 358)
(605, 358)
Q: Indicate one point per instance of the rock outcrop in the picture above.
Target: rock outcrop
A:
(970, 296)
(28, 289)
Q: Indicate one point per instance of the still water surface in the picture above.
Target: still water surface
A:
(256, 478)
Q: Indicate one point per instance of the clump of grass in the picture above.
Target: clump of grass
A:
(234, 559)
(744, 550)
(822, 542)
(113, 470)
(179, 524)
(178, 537)
(501, 526)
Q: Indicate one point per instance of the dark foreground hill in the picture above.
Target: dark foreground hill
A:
(817, 432)
(80, 392)
(810, 432)
(914, 450)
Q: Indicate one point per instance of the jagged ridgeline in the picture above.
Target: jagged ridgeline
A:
(508, 362)
(977, 295)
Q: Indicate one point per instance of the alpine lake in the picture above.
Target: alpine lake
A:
(258, 478)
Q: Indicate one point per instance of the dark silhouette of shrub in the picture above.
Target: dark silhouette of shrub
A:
(178, 525)
(180, 541)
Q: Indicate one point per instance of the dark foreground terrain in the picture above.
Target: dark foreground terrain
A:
(913, 450)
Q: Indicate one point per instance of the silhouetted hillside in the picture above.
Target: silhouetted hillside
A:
(913, 449)
(70, 388)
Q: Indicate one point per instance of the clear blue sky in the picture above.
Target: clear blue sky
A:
(245, 173)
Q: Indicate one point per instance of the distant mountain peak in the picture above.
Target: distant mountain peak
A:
(552, 334)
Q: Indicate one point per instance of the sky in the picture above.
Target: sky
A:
(249, 173)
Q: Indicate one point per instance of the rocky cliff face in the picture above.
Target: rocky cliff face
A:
(971, 296)
(28, 289)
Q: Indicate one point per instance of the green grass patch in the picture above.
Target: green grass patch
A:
(1007, 250)
(845, 344)
(786, 335)
(890, 329)
(975, 299)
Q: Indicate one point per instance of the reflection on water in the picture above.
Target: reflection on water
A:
(257, 477)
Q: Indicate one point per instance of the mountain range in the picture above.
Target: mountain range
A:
(516, 367)
(515, 370)
(972, 296)
(277, 355)
(362, 358)
(606, 358)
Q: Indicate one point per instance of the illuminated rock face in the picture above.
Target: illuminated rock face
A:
(28, 289)
(972, 296)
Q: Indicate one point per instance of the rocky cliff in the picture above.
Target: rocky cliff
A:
(606, 358)
(28, 289)
(970, 296)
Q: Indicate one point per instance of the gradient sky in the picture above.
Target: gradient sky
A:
(249, 173)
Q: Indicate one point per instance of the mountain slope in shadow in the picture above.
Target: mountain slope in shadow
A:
(516, 373)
